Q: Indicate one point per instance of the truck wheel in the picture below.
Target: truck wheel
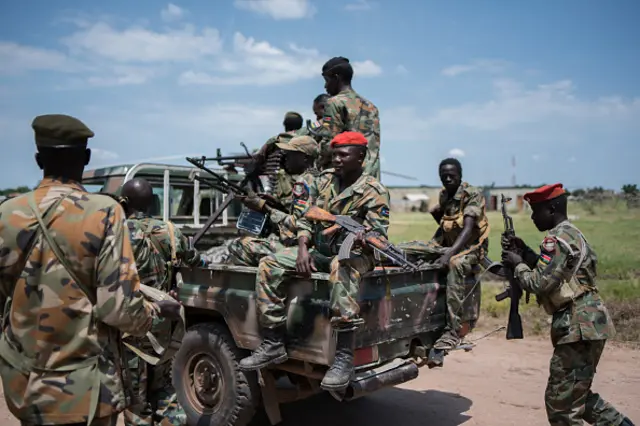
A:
(209, 385)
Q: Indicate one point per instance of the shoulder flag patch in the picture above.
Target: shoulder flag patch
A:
(384, 212)
(300, 205)
(545, 259)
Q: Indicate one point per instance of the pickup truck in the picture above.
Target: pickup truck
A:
(404, 314)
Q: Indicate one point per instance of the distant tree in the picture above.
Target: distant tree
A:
(20, 190)
(578, 192)
(632, 195)
(630, 189)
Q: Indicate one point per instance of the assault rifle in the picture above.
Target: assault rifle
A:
(223, 184)
(373, 239)
(514, 291)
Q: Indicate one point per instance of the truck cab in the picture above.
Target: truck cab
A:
(176, 197)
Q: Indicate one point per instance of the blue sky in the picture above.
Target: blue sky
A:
(554, 84)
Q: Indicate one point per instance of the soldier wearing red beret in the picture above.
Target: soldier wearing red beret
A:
(342, 190)
(563, 278)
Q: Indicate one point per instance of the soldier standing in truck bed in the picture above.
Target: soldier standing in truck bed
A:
(301, 153)
(344, 190)
(347, 110)
(563, 278)
(69, 287)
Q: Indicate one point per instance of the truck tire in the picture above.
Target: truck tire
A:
(209, 386)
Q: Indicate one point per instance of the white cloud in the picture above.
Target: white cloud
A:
(107, 55)
(456, 152)
(278, 9)
(172, 13)
(367, 68)
(481, 65)
(358, 6)
(402, 70)
(141, 45)
(261, 64)
(16, 58)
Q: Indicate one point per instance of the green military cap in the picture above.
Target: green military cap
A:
(60, 131)
(304, 144)
(292, 114)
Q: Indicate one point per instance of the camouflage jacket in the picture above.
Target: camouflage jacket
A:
(282, 137)
(367, 200)
(586, 318)
(153, 249)
(467, 201)
(286, 223)
(59, 355)
(348, 111)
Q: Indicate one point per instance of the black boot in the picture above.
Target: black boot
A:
(270, 351)
(341, 371)
(626, 422)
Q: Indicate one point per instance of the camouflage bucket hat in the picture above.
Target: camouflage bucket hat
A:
(304, 144)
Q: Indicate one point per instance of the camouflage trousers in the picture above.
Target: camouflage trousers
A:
(568, 397)
(155, 398)
(247, 251)
(460, 280)
(344, 282)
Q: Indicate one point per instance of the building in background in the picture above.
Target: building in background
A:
(425, 197)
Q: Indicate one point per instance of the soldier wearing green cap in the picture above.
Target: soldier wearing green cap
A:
(300, 155)
(69, 287)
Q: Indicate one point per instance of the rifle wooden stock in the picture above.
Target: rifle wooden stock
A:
(319, 215)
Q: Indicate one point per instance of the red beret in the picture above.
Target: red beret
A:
(544, 193)
(349, 138)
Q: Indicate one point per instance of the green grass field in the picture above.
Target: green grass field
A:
(613, 231)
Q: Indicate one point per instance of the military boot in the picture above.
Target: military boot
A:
(270, 351)
(341, 371)
(626, 422)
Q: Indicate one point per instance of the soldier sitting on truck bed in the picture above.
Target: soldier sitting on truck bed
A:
(344, 190)
(461, 240)
(300, 155)
(157, 248)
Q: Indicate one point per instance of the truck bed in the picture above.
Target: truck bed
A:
(397, 307)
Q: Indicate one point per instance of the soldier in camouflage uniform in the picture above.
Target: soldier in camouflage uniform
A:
(292, 124)
(462, 242)
(343, 190)
(69, 287)
(346, 110)
(318, 109)
(300, 155)
(158, 247)
(563, 278)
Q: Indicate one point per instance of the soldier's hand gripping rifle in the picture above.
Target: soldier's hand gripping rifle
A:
(353, 227)
(514, 291)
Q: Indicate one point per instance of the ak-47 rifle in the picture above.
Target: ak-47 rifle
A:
(514, 326)
(373, 239)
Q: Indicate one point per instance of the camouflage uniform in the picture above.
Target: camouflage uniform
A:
(579, 328)
(348, 111)
(60, 357)
(248, 251)
(467, 201)
(366, 198)
(156, 251)
(69, 287)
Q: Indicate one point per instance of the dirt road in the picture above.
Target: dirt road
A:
(499, 383)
